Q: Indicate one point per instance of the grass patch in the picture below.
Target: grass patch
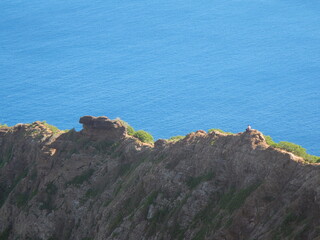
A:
(6, 233)
(148, 201)
(206, 215)
(294, 148)
(176, 232)
(193, 182)
(176, 138)
(107, 202)
(116, 222)
(47, 203)
(117, 189)
(232, 200)
(289, 225)
(22, 199)
(52, 128)
(201, 234)
(151, 198)
(51, 188)
(124, 169)
(216, 215)
(90, 193)
(5, 190)
(143, 136)
(208, 219)
(3, 125)
(219, 130)
(130, 130)
(80, 179)
(158, 218)
(7, 156)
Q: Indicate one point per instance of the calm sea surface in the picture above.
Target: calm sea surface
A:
(169, 67)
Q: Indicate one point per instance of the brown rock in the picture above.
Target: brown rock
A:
(160, 143)
(208, 186)
(102, 128)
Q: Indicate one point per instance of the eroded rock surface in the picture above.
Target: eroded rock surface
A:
(100, 183)
(103, 128)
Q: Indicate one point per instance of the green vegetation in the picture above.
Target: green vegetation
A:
(22, 199)
(5, 190)
(159, 217)
(5, 234)
(124, 169)
(177, 232)
(219, 130)
(129, 205)
(118, 188)
(47, 203)
(270, 141)
(80, 179)
(162, 214)
(3, 125)
(193, 182)
(107, 202)
(73, 130)
(90, 193)
(6, 156)
(234, 200)
(143, 136)
(289, 226)
(34, 174)
(216, 215)
(294, 148)
(130, 130)
(206, 215)
(51, 188)
(176, 138)
(116, 222)
(150, 199)
(200, 235)
(53, 129)
(206, 220)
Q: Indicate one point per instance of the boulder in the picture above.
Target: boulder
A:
(103, 128)
(160, 143)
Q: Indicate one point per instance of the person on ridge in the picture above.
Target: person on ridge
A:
(248, 128)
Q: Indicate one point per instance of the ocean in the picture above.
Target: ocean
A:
(168, 67)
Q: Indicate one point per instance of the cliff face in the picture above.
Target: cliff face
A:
(101, 183)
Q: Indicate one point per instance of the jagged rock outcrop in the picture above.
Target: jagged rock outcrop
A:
(100, 183)
(103, 128)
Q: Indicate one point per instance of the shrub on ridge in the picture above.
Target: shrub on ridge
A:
(143, 136)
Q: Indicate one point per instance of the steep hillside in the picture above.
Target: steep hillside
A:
(101, 183)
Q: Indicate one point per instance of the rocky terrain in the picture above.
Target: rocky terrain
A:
(101, 183)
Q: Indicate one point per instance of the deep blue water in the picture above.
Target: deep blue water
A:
(169, 67)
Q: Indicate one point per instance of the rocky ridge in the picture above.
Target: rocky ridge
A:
(101, 183)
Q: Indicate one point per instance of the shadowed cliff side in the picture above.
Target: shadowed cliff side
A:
(101, 183)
